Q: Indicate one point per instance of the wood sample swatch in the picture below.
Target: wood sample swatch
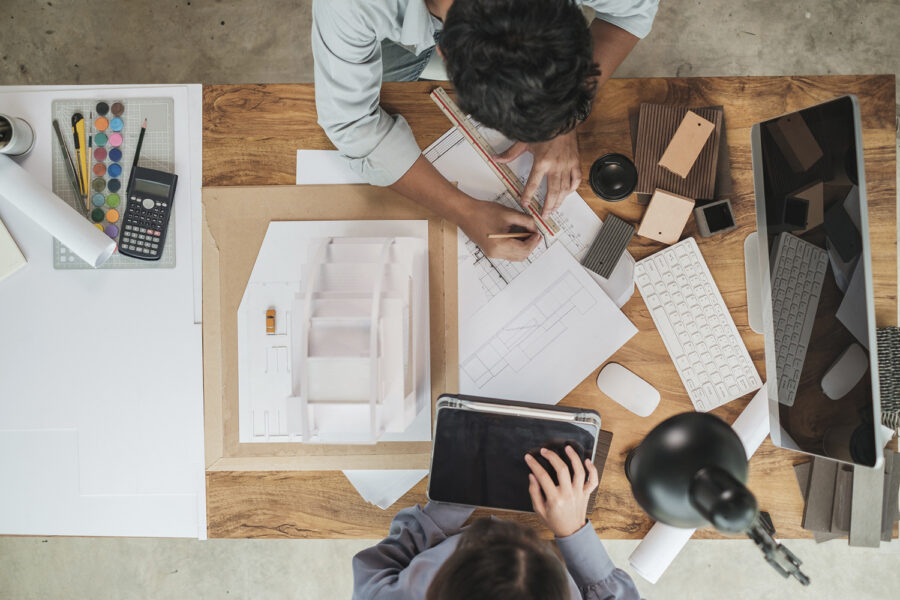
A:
(843, 487)
(801, 472)
(666, 217)
(604, 441)
(796, 142)
(865, 509)
(685, 146)
(657, 124)
(820, 495)
(891, 488)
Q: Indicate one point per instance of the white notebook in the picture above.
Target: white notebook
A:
(11, 258)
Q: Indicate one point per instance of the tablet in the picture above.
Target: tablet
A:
(477, 458)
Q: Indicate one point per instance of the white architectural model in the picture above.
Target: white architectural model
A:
(346, 359)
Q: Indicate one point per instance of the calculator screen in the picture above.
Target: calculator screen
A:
(153, 188)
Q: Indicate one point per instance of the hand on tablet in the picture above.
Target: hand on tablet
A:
(562, 507)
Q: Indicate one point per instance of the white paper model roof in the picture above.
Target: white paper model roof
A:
(327, 375)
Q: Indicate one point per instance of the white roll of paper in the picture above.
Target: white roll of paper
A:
(661, 545)
(53, 214)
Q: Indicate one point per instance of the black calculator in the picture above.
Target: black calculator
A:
(149, 204)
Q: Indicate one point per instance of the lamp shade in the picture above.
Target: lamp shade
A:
(690, 471)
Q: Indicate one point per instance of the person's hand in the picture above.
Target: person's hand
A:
(558, 160)
(484, 218)
(562, 507)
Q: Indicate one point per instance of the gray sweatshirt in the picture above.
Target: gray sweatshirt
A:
(403, 564)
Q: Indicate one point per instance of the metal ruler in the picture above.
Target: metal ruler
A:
(547, 226)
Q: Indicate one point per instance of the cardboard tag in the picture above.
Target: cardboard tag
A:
(687, 143)
(666, 217)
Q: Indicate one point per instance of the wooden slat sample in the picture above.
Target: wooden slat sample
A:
(656, 126)
(865, 509)
(820, 495)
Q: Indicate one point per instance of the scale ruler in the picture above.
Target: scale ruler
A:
(547, 226)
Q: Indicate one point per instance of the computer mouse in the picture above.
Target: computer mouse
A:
(627, 389)
(845, 373)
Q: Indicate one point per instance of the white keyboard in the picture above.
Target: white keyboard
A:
(798, 270)
(696, 326)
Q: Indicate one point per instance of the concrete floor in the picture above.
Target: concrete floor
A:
(206, 41)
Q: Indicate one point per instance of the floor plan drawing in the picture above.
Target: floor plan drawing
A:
(531, 332)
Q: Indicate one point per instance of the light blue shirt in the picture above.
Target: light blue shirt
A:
(346, 44)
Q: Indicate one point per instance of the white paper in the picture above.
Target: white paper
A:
(101, 387)
(324, 167)
(384, 487)
(542, 335)
(21, 190)
(274, 283)
(480, 279)
(661, 545)
(852, 311)
(11, 259)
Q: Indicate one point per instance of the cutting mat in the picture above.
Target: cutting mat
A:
(157, 152)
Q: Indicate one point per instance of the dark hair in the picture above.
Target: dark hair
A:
(523, 68)
(500, 560)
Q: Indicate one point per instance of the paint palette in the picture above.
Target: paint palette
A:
(114, 131)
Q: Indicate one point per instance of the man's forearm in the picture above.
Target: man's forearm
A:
(611, 45)
(425, 185)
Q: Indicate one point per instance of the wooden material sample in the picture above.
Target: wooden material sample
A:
(843, 489)
(250, 137)
(657, 125)
(666, 217)
(802, 472)
(889, 508)
(865, 508)
(820, 495)
(685, 146)
(796, 142)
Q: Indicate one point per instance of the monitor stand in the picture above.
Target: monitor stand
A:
(754, 285)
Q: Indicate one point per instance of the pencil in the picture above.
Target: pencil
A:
(137, 155)
(70, 168)
(503, 236)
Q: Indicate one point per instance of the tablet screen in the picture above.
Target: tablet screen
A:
(479, 457)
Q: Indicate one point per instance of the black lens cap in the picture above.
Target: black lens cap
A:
(613, 177)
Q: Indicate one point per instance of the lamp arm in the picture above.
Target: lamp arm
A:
(782, 560)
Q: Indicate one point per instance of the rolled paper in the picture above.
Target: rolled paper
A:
(51, 212)
(662, 543)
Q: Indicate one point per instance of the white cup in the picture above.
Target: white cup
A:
(16, 136)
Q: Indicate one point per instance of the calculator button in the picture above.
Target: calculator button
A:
(148, 203)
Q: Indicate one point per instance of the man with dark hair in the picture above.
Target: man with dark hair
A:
(429, 554)
(526, 68)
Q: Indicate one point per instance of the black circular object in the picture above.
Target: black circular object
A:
(690, 470)
(114, 185)
(102, 108)
(613, 177)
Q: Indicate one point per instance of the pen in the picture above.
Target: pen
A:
(502, 236)
(137, 155)
(70, 169)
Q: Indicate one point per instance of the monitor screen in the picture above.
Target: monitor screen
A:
(818, 316)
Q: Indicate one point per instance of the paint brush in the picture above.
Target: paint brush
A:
(70, 169)
(80, 150)
(137, 155)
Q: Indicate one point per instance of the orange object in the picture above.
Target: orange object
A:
(112, 215)
(99, 169)
(101, 124)
(270, 320)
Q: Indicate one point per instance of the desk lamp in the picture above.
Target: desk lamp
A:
(690, 471)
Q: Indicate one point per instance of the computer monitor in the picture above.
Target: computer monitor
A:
(816, 283)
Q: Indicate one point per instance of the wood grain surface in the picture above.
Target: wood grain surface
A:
(250, 137)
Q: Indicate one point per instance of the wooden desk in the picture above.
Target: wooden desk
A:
(250, 137)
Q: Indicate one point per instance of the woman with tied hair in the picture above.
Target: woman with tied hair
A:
(430, 555)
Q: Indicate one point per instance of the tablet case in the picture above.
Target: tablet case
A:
(499, 487)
